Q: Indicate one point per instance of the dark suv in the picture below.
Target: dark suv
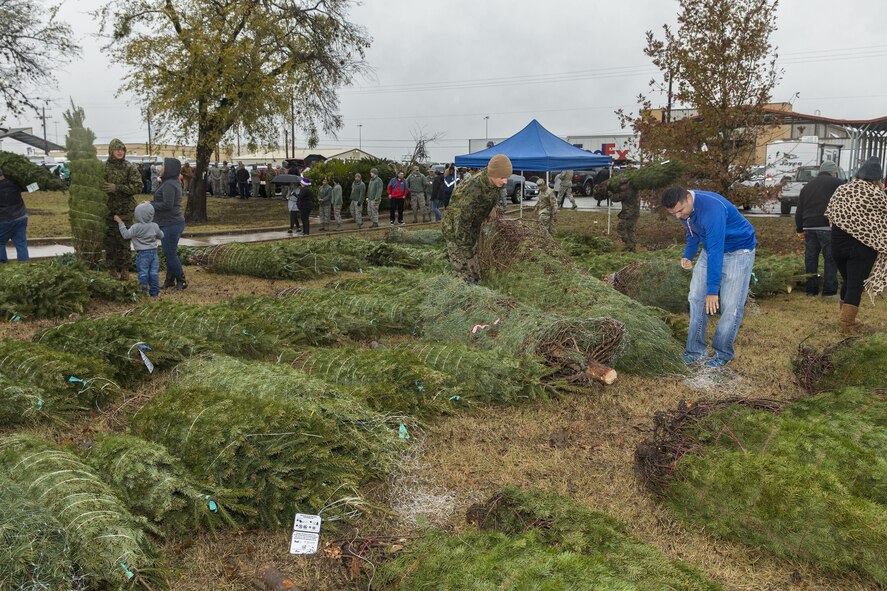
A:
(585, 180)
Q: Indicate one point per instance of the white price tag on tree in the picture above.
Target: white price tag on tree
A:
(306, 534)
(33, 187)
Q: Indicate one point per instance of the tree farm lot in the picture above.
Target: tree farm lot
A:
(578, 445)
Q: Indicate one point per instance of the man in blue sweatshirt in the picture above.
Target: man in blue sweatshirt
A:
(722, 272)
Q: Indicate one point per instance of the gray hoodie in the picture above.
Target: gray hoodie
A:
(168, 196)
(144, 233)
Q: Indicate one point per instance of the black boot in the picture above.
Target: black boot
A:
(181, 283)
(170, 282)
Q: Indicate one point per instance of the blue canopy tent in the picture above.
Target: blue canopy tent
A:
(536, 148)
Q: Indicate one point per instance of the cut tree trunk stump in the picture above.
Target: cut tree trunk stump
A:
(600, 372)
(269, 578)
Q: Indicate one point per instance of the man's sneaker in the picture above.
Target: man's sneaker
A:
(391, 223)
(290, 231)
(400, 223)
(716, 362)
(691, 359)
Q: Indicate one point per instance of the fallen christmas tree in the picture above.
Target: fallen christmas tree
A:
(401, 235)
(806, 483)
(34, 549)
(69, 380)
(107, 542)
(292, 459)
(24, 403)
(23, 172)
(529, 539)
(857, 361)
(520, 259)
(156, 486)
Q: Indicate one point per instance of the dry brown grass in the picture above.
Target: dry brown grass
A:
(580, 446)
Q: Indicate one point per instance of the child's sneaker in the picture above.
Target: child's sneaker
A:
(716, 362)
(691, 359)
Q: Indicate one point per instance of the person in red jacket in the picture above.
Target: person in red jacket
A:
(397, 192)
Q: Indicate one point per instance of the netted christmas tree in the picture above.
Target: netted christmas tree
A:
(24, 403)
(34, 549)
(23, 172)
(108, 543)
(157, 486)
(88, 203)
(852, 362)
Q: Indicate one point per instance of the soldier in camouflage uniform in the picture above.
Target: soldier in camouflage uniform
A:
(418, 199)
(358, 195)
(336, 203)
(472, 202)
(374, 197)
(122, 182)
(546, 206)
(566, 188)
(324, 198)
(631, 211)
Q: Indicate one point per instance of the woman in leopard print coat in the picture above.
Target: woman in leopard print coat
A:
(858, 214)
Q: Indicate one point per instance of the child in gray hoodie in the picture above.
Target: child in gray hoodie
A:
(144, 234)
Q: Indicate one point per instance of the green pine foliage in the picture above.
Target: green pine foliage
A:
(530, 539)
(88, 203)
(37, 290)
(292, 459)
(34, 549)
(775, 274)
(371, 434)
(862, 363)
(577, 245)
(69, 380)
(120, 339)
(23, 172)
(807, 484)
(649, 177)
(107, 542)
(426, 237)
(156, 486)
(24, 403)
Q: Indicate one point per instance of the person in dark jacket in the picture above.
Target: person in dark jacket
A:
(168, 215)
(13, 220)
(437, 195)
(813, 228)
(242, 181)
(305, 203)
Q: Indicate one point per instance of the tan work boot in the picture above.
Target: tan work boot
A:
(849, 325)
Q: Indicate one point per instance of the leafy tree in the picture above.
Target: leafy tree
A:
(29, 48)
(206, 68)
(719, 63)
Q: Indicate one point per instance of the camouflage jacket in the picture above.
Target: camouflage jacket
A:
(128, 182)
(416, 182)
(337, 196)
(471, 203)
(546, 204)
(358, 191)
(324, 195)
(375, 189)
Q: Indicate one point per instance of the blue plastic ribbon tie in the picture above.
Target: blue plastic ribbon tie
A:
(402, 432)
(419, 386)
(455, 398)
(129, 573)
(15, 318)
(246, 332)
(335, 269)
(75, 379)
(755, 277)
(39, 404)
(213, 506)
(144, 347)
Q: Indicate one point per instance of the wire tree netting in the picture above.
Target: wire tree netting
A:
(521, 260)
(805, 481)
(133, 345)
(156, 486)
(68, 379)
(857, 361)
(522, 537)
(393, 380)
(88, 203)
(37, 290)
(292, 459)
(399, 234)
(34, 549)
(107, 542)
(23, 172)
(371, 435)
(24, 403)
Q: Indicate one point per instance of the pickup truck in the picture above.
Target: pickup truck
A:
(792, 185)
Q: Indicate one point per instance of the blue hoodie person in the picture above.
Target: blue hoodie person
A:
(144, 234)
(168, 213)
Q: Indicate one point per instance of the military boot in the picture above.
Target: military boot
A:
(170, 282)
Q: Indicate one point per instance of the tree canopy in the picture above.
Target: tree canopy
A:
(32, 43)
(720, 65)
(210, 69)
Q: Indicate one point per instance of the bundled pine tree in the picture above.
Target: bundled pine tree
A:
(157, 486)
(107, 542)
(34, 548)
(88, 203)
(23, 172)
(851, 362)
(22, 402)
(69, 380)
(37, 290)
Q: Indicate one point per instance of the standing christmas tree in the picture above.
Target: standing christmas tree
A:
(88, 203)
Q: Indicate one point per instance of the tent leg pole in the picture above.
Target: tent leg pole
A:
(609, 202)
(522, 189)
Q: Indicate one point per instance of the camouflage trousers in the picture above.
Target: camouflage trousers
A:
(419, 204)
(547, 222)
(373, 211)
(463, 261)
(337, 213)
(117, 254)
(625, 231)
(325, 209)
(565, 194)
(357, 213)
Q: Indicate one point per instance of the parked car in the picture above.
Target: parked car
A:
(513, 188)
(584, 180)
(792, 185)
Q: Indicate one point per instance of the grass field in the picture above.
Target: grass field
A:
(580, 446)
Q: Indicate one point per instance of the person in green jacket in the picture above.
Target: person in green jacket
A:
(374, 197)
(122, 183)
(324, 197)
(418, 199)
(358, 195)
(337, 203)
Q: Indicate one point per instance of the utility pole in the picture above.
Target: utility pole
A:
(45, 143)
(150, 139)
(360, 136)
(286, 142)
(486, 127)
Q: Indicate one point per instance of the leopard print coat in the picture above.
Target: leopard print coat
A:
(860, 209)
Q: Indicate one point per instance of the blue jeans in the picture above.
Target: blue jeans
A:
(435, 207)
(816, 241)
(17, 231)
(735, 276)
(169, 243)
(148, 268)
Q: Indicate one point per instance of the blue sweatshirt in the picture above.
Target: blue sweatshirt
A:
(718, 225)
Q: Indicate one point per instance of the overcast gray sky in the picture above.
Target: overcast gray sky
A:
(567, 63)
